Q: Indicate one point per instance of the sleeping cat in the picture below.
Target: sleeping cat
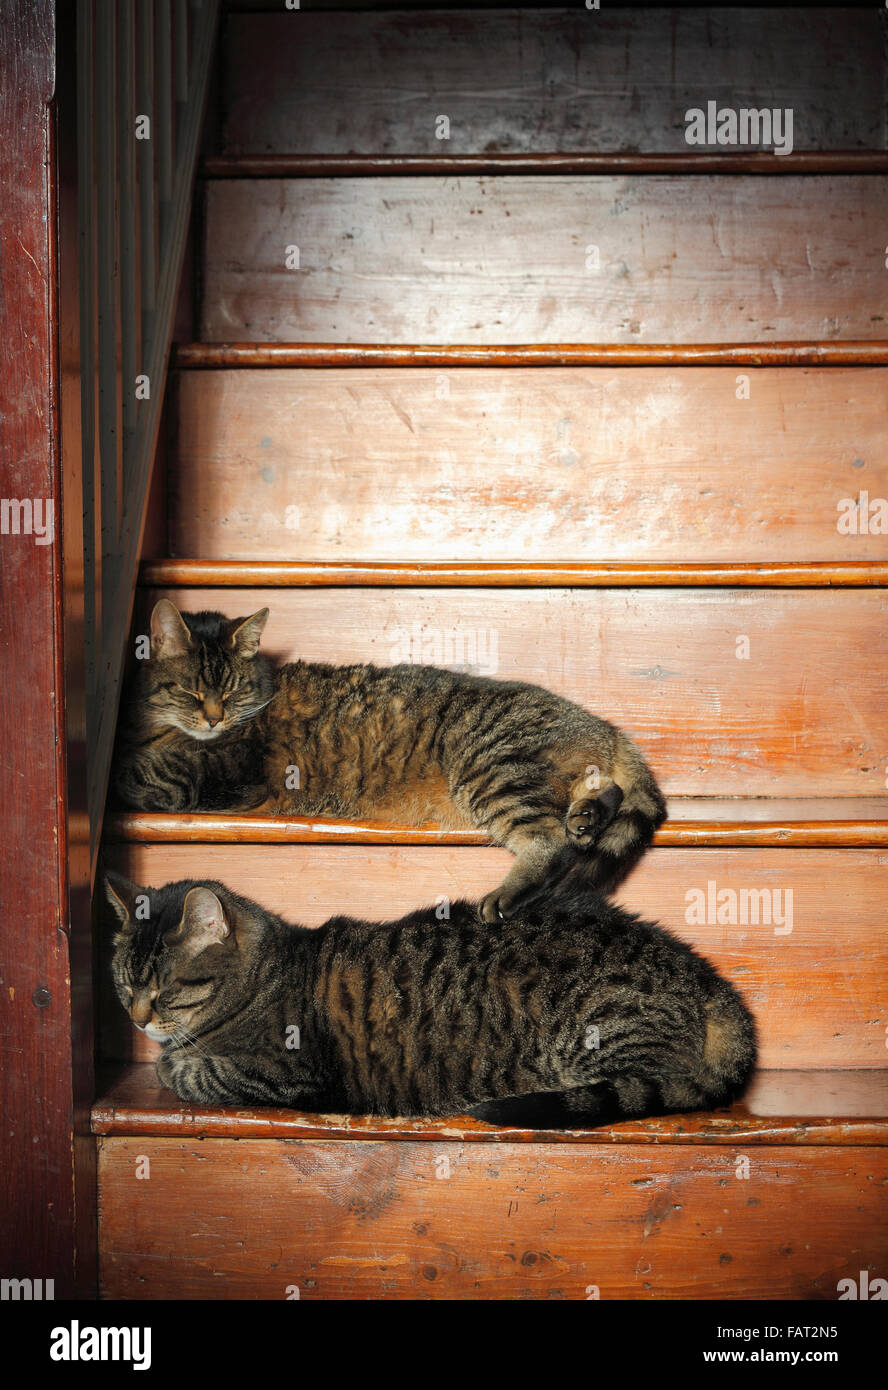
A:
(575, 1013)
(210, 726)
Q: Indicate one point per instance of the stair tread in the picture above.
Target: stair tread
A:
(805, 352)
(781, 1107)
(167, 571)
(760, 821)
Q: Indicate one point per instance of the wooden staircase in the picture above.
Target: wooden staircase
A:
(580, 406)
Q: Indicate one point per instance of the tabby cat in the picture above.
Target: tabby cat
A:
(575, 1013)
(211, 726)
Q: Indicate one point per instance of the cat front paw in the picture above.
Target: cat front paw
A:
(495, 908)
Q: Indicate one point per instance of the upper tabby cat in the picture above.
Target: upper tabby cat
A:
(210, 726)
(575, 1012)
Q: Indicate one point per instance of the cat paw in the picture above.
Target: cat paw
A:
(586, 819)
(493, 909)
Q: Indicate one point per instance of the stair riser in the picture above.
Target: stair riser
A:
(551, 460)
(461, 1221)
(818, 991)
(616, 80)
(508, 260)
(805, 715)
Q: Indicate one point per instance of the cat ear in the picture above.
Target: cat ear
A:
(245, 633)
(169, 632)
(203, 922)
(122, 894)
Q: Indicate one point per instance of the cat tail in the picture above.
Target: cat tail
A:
(729, 1045)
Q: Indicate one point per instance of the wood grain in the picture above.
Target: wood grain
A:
(780, 1107)
(803, 716)
(503, 260)
(384, 1220)
(550, 463)
(37, 1060)
(817, 991)
(531, 81)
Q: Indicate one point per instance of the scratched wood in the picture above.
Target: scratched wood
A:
(805, 715)
(817, 990)
(548, 463)
(424, 1221)
(531, 81)
(848, 1107)
(507, 260)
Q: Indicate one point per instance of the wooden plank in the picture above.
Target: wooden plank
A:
(789, 354)
(341, 574)
(322, 1220)
(817, 990)
(295, 166)
(37, 1061)
(568, 81)
(780, 1107)
(214, 828)
(804, 715)
(547, 463)
(504, 260)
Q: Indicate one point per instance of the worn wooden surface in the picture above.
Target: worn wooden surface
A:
(827, 822)
(561, 464)
(381, 1220)
(805, 715)
(37, 1061)
(817, 990)
(277, 166)
(850, 353)
(503, 260)
(780, 1107)
(521, 80)
(619, 574)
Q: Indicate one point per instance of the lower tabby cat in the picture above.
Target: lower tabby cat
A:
(575, 1013)
(211, 726)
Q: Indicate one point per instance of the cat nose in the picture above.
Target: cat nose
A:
(141, 1012)
(212, 712)
(214, 720)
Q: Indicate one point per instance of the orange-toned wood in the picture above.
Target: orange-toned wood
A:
(780, 1107)
(524, 80)
(366, 1219)
(817, 989)
(287, 574)
(787, 354)
(507, 260)
(555, 463)
(703, 832)
(804, 715)
(288, 166)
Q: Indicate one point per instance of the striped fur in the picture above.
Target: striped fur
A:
(574, 1013)
(551, 782)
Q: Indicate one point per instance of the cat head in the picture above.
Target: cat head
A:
(181, 954)
(205, 675)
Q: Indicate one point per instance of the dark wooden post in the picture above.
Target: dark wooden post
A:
(45, 1081)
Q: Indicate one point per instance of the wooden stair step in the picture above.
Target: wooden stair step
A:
(693, 821)
(550, 259)
(800, 931)
(804, 715)
(561, 81)
(290, 166)
(166, 572)
(424, 465)
(847, 1107)
(795, 353)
